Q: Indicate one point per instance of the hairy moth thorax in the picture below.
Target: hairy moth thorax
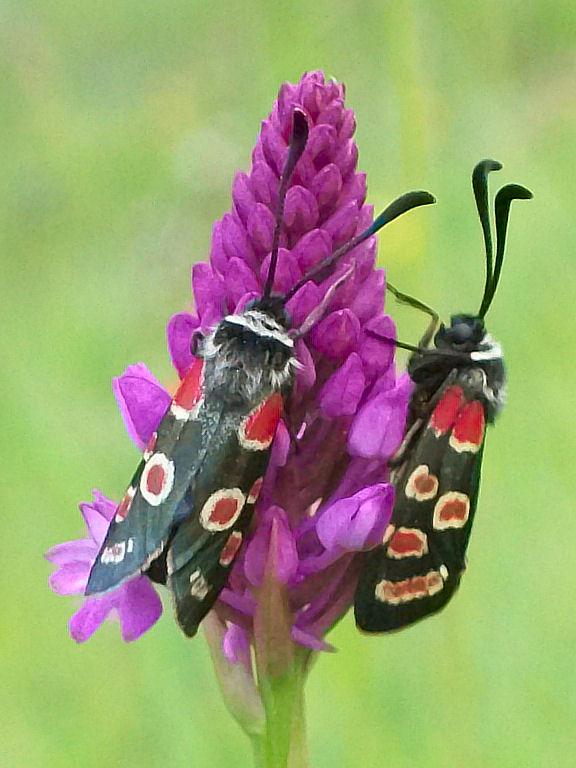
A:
(459, 377)
(465, 344)
(249, 355)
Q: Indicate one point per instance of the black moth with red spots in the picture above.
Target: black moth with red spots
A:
(459, 388)
(187, 510)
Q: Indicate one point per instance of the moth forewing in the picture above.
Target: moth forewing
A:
(459, 389)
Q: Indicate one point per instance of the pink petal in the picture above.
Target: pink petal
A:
(81, 549)
(139, 607)
(86, 621)
(336, 336)
(257, 552)
(179, 333)
(97, 515)
(344, 389)
(358, 522)
(142, 400)
(71, 578)
(236, 645)
(378, 428)
(310, 641)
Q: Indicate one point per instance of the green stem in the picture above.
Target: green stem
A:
(283, 744)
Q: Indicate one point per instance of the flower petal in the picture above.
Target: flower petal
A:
(179, 333)
(378, 427)
(142, 400)
(86, 621)
(257, 552)
(342, 392)
(358, 522)
(97, 515)
(310, 641)
(139, 607)
(336, 336)
(71, 578)
(81, 549)
(236, 645)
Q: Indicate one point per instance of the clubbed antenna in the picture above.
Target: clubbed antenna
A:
(399, 206)
(298, 139)
(502, 205)
(480, 187)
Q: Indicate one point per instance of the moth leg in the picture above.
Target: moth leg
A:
(403, 298)
(414, 430)
(404, 446)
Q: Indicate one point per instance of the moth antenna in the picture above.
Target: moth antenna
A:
(502, 205)
(401, 205)
(298, 139)
(480, 187)
(394, 342)
(320, 310)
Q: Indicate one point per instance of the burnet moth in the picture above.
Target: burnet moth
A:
(191, 500)
(459, 388)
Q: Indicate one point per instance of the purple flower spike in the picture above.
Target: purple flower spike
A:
(325, 495)
(135, 603)
(325, 499)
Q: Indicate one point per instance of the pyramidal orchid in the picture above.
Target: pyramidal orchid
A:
(326, 498)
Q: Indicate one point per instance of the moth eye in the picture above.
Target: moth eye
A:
(196, 343)
(461, 333)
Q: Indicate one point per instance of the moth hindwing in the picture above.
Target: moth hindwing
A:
(459, 387)
(188, 507)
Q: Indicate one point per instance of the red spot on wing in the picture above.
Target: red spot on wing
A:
(125, 504)
(425, 483)
(223, 511)
(155, 479)
(468, 431)
(190, 390)
(451, 511)
(446, 412)
(258, 430)
(397, 592)
(231, 548)
(408, 542)
(254, 492)
(149, 450)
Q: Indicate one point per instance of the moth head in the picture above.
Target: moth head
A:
(464, 333)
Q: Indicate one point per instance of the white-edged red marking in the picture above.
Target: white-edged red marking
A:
(407, 542)
(444, 415)
(157, 479)
(314, 507)
(188, 398)
(398, 592)
(254, 492)
(199, 587)
(468, 432)
(149, 450)
(421, 485)
(231, 548)
(451, 511)
(257, 431)
(114, 554)
(388, 533)
(124, 506)
(222, 509)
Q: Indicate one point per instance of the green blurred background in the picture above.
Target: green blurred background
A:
(121, 126)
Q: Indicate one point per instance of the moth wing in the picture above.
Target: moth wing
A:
(415, 572)
(153, 502)
(205, 544)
